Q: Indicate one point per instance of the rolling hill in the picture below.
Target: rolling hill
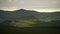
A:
(30, 16)
(29, 22)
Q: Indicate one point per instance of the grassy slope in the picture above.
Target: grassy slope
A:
(29, 30)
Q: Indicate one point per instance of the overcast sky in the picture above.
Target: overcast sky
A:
(29, 4)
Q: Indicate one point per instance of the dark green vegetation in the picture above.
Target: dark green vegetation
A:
(29, 21)
(29, 30)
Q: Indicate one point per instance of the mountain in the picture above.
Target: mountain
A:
(29, 22)
(8, 17)
(18, 14)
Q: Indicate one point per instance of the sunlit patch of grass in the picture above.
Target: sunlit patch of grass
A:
(28, 23)
(24, 23)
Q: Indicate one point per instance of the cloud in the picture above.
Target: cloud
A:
(30, 4)
(9, 8)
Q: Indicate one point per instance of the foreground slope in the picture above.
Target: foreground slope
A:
(29, 22)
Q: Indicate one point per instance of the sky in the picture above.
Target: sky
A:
(38, 5)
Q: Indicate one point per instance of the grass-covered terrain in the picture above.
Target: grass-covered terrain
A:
(30, 27)
(29, 22)
(29, 30)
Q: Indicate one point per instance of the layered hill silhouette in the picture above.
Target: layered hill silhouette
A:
(29, 22)
(19, 14)
(42, 19)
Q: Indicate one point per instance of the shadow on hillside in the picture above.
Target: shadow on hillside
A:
(30, 30)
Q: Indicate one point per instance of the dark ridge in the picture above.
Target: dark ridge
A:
(9, 18)
(23, 14)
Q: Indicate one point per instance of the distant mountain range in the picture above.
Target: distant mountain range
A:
(19, 14)
(23, 14)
